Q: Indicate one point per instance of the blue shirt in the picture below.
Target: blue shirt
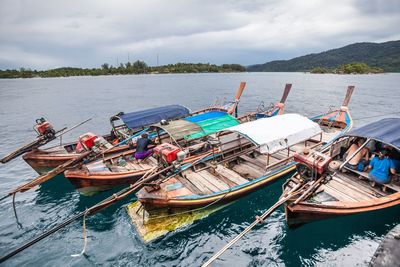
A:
(381, 169)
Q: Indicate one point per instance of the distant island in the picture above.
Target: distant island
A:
(360, 58)
(353, 68)
(385, 56)
(137, 67)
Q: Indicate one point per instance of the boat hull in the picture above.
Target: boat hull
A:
(42, 161)
(221, 198)
(90, 185)
(303, 213)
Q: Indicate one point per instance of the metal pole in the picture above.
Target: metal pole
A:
(354, 154)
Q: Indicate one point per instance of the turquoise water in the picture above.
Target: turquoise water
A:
(112, 240)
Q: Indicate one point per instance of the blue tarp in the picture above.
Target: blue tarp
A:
(138, 119)
(386, 131)
(205, 116)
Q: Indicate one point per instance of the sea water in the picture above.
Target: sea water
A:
(112, 240)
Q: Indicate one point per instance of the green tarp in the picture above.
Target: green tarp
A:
(213, 125)
(192, 130)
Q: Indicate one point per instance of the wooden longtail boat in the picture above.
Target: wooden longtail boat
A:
(44, 160)
(188, 134)
(342, 190)
(251, 155)
(123, 126)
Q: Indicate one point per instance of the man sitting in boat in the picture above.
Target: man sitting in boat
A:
(394, 155)
(142, 147)
(381, 166)
(360, 157)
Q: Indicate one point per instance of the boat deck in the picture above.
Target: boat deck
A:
(222, 177)
(351, 186)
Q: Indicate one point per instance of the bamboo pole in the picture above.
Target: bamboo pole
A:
(251, 226)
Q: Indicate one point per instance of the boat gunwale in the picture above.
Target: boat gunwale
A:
(254, 183)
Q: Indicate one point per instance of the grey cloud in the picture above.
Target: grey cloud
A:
(378, 6)
(88, 33)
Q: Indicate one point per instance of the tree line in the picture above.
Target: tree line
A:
(382, 55)
(353, 68)
(137, 67)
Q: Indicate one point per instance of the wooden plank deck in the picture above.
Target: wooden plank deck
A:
(357, 183)
(365, 175)
(195, 176)
(337, 194)
(230, 174)
(186, 183)
(193, 179)
(247, 170)
(350, 191)
(213, 180)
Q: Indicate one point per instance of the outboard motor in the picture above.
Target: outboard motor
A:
(44, 128)
(311, 164)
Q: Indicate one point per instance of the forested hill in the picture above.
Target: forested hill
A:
(384, 55)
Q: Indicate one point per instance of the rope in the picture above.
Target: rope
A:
(84, 236)
(15, 212)
(114, 197)
(102, 204)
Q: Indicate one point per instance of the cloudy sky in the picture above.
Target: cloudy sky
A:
(44, 34)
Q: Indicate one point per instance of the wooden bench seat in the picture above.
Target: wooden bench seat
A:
(362, 185)
(365, 175)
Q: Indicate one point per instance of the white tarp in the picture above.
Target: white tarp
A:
(278, 132)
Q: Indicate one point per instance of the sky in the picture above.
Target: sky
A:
(42, 34)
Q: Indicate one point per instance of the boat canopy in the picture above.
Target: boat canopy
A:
(198, 125)
(385, 131)
(138, 119)
(279, 132)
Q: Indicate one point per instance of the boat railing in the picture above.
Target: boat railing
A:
(289, 157)
(311, 139)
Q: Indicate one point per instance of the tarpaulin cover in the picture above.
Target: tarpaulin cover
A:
(279, 132)
(214, 125)
(138, 119)
(205, 116)
(180, 128)
(385, 130)
(199, 125)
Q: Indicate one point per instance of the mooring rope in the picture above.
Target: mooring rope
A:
(115, 196)
(92, 210)
(84, 236)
